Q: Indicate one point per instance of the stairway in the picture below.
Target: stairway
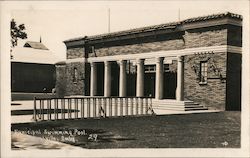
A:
(174, 105)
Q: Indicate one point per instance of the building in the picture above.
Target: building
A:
(197, 59)
(32, 69)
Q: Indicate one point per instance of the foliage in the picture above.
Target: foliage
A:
(16, 31)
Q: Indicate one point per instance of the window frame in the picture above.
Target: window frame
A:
(203, 79)
(75, 75)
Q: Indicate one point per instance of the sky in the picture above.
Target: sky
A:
(55, 22)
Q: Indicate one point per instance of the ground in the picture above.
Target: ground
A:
(204, 130)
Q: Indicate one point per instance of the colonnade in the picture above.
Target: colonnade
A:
(159, 81)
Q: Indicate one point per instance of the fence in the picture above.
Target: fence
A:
(90, 107)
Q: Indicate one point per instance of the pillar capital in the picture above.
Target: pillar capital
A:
(106, 62)
(159, 59)
(139, 61)
(121, 62)
(180, 58)
(92, 64)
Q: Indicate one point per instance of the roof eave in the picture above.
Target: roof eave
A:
(75, 43)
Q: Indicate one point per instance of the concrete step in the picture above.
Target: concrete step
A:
(177, 106)
(180, 108)
(174, 105)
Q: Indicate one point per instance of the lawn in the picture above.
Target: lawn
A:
(204, 130)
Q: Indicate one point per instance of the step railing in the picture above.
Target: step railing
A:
(90, 107)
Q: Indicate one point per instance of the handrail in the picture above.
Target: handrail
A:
(86, 107)
(83, 97)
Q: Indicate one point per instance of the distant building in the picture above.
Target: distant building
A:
(197, 61)
(32, 68)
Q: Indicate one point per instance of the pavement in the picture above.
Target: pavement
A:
(22, 105)
(20, 141)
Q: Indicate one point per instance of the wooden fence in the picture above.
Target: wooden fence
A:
(90, 107)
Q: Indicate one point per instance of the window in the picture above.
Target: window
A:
(75, 75)
(166, 68)
(149, 68)
(203, 72)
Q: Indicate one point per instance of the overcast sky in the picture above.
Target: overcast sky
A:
(59, 21)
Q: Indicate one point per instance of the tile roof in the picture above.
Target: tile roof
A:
(35, 45)
(171, 25)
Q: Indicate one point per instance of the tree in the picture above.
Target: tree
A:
(16, 32)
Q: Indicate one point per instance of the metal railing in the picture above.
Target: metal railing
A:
(90, 107)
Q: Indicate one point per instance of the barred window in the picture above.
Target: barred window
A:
(75, 75)
(203, 72)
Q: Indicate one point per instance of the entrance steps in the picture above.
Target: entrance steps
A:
(174, 105)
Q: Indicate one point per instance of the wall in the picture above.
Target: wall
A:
(73, 53)
(212, 36)
(60, 80)
(233, 81)
(65, 83)
(212, 94)
(31, 77)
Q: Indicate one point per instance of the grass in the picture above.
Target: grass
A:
(205, 130)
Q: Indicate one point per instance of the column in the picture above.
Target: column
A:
(93, 79)
(180, 79)
(140, 78)
(107, 79)
(159, 78)
(122, 79)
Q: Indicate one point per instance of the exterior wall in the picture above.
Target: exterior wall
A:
(213, 36)
(139, 48)
(60, 80)
(205, 38)
(212, 94)
(73, 53)
(234, 37)
(65, 83)
(173, 66)
(233, 100)
(32, 77)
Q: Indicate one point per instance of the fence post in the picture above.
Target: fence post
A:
(126, 102)
(88, 107)
(121, 106)
(49, 109)
(94, 107)
(82, 108)
(116, 106)
(131, 106)
(136, 105)
(34, 109)
(141, 105)
(62, 108)
(76, 108)
(110, 106)
(42, 110)
(146, 105)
